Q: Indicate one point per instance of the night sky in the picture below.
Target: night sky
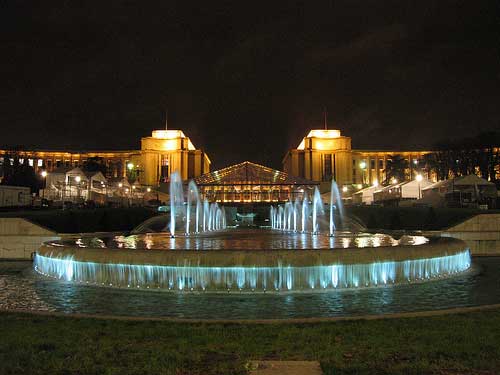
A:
(246, 82)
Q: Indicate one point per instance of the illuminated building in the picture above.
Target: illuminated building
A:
(165, 152)
(168, 151)
(326, 154)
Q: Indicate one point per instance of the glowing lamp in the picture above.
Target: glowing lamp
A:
(362, 165)
(148, 190)
(419, 177)
(130, 166)
(394, 180)
(120, 185)
(78, 179)
(375, 183)
(344, 189)
(44, 174)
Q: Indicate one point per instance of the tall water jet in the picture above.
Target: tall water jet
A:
(176, 199)
(192, 197)
(335, 204)
(198, 213)
(317, 210)
(296, 208)
(304, 213)
(206, 214)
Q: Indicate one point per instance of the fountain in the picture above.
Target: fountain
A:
(213, 216)
(205, 256)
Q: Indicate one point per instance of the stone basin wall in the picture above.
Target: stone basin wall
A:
(20, 238)
(481, 233)
(437, 247)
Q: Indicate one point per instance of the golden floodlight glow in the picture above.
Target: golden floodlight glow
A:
(168, 134)
(170, 145)
(322, 134)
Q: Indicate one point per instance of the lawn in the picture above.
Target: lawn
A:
(452, 344)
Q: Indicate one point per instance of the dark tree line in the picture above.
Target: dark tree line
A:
(18, 172)
(478, 155)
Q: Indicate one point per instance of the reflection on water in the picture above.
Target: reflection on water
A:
(20, 287)
(233, 239)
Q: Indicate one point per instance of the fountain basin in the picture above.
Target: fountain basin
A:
(254, 270)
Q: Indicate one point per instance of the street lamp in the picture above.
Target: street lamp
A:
(362, 165)
(44, 175)
(78, 179)
(130, 166)
(419, 179)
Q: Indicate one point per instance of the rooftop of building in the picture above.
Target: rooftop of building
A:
(248, 173)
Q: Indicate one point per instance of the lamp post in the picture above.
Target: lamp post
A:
(362, 165)
(120, 185)
(130, 167)
(77, 180)
(419, 179)
(44, 175)
(105, 187)
(148, 190)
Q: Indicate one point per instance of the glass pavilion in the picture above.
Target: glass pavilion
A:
(248, 182)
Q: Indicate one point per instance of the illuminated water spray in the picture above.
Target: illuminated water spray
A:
(206, 216)
(306, 214)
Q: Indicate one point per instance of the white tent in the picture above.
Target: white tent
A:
(413, 189)
(365, 196)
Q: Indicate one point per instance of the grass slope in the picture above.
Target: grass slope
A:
(452, 344)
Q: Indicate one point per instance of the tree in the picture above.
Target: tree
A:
(95, 164)
(396, 168)
(478, 155)
(16, 173)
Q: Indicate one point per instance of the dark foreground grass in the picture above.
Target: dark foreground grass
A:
(452, 344)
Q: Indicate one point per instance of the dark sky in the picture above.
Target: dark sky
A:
(246, 82)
